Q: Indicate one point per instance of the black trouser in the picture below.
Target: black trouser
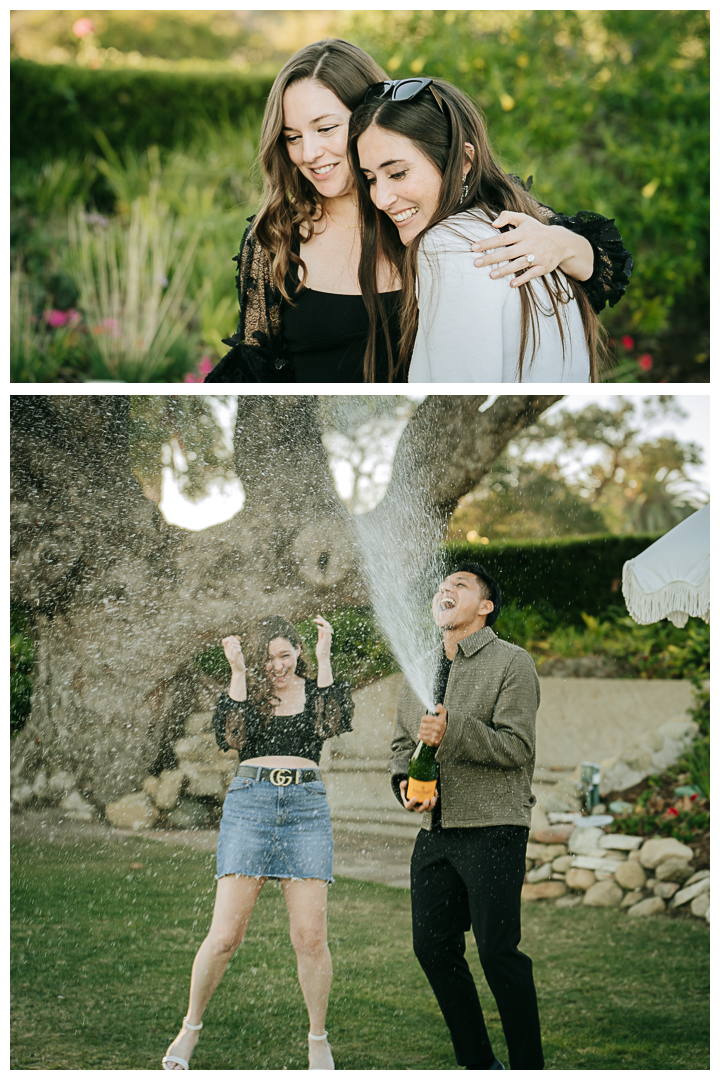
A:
(464, 877)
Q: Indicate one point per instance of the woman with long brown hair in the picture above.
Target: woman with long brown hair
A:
(276, 821)
(303, 316)
(429, 187)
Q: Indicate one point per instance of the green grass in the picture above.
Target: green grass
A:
(101, 956)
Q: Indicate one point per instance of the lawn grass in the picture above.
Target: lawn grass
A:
(102, 949)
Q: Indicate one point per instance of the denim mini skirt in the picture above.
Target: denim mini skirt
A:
(275, 832)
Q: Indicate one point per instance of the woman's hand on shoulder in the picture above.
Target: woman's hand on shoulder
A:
(324, 641)
(547, 245)
(234, 654)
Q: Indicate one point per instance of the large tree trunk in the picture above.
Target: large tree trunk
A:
(122, 602)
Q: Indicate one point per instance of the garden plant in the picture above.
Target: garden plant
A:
(608, 110)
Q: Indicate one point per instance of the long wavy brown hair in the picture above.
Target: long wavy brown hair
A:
(441, 136)
(291, 205)
(255, 649)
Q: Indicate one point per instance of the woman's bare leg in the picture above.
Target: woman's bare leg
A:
(234, 903)
(307, 906)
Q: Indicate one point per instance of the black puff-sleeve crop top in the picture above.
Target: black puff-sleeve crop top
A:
(328, 711)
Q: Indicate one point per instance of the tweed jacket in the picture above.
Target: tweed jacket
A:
(487, 755)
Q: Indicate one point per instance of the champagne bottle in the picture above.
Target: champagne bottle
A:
(422, 773)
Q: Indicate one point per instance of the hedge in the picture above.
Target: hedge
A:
(572, 576)
(55, 108)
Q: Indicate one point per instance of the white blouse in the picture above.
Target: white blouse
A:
(469, 323)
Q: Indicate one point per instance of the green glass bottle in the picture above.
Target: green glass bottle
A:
(422, 773)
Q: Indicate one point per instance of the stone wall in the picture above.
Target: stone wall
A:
(571, 862)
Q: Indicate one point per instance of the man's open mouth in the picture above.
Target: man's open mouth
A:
(446, 603)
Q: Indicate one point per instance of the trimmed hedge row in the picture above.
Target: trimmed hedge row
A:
(54, 108)
(580, 574)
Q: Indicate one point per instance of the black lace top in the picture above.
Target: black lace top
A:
(328, 711)
(260, 353)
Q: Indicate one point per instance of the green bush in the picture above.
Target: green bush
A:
(574, 576)
(657, 651)
(56, 109)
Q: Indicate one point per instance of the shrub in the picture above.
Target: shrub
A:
(56, 109)
(657, 651)
(132, 277)
(570, 576)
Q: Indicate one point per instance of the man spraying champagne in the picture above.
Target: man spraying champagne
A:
(468, 863)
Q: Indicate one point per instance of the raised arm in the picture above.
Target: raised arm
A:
(586, 247)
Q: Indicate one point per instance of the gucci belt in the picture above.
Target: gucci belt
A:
(279, 777)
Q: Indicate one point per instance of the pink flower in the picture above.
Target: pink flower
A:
(83, 27)
(627, 342)
(645, 361)
(112, 326)
(205, 366)
(56, 318)
(192, 378)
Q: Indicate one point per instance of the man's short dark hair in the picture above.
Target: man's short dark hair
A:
(491, 586)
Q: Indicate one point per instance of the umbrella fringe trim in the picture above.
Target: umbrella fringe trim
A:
(677, 598)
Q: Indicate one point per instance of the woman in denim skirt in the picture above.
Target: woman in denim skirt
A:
(276, 820)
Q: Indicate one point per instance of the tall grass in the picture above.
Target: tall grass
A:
(132, 274)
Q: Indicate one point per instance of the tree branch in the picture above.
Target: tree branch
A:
(449, 445)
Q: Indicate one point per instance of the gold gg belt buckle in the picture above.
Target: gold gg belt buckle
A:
(281, 777)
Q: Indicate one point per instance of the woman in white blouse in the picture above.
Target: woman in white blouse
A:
(422, 158)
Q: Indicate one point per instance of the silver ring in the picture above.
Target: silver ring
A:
(530, 258)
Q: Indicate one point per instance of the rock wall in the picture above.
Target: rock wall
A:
(573, 864)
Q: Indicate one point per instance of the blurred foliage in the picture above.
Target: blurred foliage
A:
(258, 41)
(132, 275)
(181, 433)
(55, 110)
(657, 651)
(609, 110)
(359, 652)
(571, 574)
(22, 663)
(204, 188)
(658, 808)
(591, 471)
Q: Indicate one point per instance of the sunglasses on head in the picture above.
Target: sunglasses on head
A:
(403, 90)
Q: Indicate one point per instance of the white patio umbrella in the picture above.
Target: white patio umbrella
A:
(671, 578)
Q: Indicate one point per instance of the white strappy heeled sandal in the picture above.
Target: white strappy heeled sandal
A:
(178, 1060)
(322, 1038)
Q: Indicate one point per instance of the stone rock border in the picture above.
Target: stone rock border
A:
(575, 863)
